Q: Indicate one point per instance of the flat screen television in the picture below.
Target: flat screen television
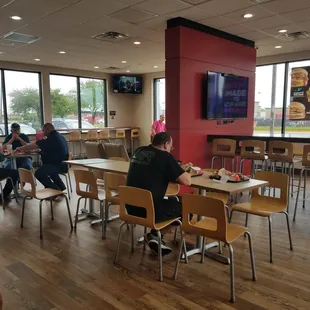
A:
(127, 84)
(226, 96)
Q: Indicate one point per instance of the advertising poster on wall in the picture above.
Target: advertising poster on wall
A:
(299, 108)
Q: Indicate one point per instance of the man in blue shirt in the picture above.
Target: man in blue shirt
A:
(17, 139)
(54, 150)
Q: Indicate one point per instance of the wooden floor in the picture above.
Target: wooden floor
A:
(74, 270)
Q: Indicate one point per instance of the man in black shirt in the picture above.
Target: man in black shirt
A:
(152, 168)
(54, 150)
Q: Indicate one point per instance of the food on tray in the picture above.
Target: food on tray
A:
(232, 177)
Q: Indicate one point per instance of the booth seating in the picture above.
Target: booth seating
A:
(304, 175)
(224, 149)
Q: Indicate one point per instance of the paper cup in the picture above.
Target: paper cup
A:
(9, 148)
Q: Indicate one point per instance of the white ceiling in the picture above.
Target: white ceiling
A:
(69, 25)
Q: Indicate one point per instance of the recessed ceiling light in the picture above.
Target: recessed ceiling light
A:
(96, 67)
(282, 30)
(278, 46)
(248, 15)
(137, 43)
(124, 61)
(128, 71)
(15, 17)
(37, 59)
(62, 52)
(155, 67)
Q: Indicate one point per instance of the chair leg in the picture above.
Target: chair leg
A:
(69, 212)
(160, 257)
(2, 197)
(77, 212)
(102, 220)
(118, 242)
(105, 218)
(202, 259)
(175, 275)
(246, 219)
(289, 230)
(14, 189)
(23, 212)
(40, 206)
(228, 212)
(144, 243)
(297, 196)
(220, 248)
(231, 214)
(251, 256)
(305, 188)
(52, 211)
(70, 183)
(133, 238)
(175, 235)
(232, 273)
(270, 239)
(68, 188)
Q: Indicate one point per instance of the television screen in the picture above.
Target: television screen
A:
(127, 84)
(227, 96)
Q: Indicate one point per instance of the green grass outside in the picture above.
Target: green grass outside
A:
(278, 129)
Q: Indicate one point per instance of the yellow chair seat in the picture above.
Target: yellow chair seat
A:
(262, 206)
(47, 193)
(233, 231)
(219, 196)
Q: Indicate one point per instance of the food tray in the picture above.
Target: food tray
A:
(229, 181)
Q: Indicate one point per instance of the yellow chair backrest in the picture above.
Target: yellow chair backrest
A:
(74, 136)
(140, 198)
(281, 151)
(211, 208)
(224, 147)
(104, 134)
(305, 156)
(135, 133)
(92, 135)
(27, 177)
(120, 134)
(275, 180)
(112, 182)
(248, 146)
(88, 178)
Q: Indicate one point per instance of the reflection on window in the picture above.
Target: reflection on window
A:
(92, 103)
(64, 101)
(23, 100)
(298, 125)
(269, 90)
(159, 97)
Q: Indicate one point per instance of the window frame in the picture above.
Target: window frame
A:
(3, 87)
(155, 116)
(79, 102)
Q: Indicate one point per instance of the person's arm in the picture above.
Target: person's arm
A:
(185, 179)
(8, 141)
(27, 147)
(24, 141)
(154, 128)
(176, 173)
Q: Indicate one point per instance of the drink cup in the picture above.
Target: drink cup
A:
(9, 148)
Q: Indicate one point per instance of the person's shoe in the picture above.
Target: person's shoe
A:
(153, 243)
(62, 187)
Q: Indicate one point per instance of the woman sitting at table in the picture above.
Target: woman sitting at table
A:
(17, 139)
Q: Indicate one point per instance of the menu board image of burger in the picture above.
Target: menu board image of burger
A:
(299, 108)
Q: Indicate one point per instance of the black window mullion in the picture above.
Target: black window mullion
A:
(5, 114)
(78, 87)
(285, 90)
(41, 99)
(155, 98)
(105, 104)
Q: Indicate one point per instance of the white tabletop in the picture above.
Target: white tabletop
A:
(84, 162)
(201, 182)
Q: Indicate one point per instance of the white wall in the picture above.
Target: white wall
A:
(143, 107)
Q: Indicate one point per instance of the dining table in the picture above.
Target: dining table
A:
(203, 183)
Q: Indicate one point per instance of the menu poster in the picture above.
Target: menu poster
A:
(299, 108)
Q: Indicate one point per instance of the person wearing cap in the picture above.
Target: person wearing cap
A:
(17, 139)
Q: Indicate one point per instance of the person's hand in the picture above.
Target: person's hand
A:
(15, 136)
(17, 150)
(187, 167)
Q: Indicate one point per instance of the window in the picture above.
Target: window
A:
(64, 101)
(23, 100)
(92, 102)
(78, 102)
(159, 97)
(2, 129)
(269, 96)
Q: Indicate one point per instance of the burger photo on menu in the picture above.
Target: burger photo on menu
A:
(299, 77)
(297, 110)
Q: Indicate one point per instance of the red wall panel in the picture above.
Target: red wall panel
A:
(189, 55)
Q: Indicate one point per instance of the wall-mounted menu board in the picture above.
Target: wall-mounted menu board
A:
(299, 108)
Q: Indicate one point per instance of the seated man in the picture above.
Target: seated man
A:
(152, 168)
(54, 149)
(7, 173)
(17, 139)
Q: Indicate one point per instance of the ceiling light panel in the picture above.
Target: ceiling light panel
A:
(225, 6)
(132, 15)
(162, 7)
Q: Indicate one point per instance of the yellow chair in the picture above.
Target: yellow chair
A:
(120, 135)
(92, 135)
(27, 177)
(223, 149)
(134, 135)
(112, 182)
(75, 137)
(213, 226)
(104, 135)
(142, 199)
(267, 206)
(91, 191)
